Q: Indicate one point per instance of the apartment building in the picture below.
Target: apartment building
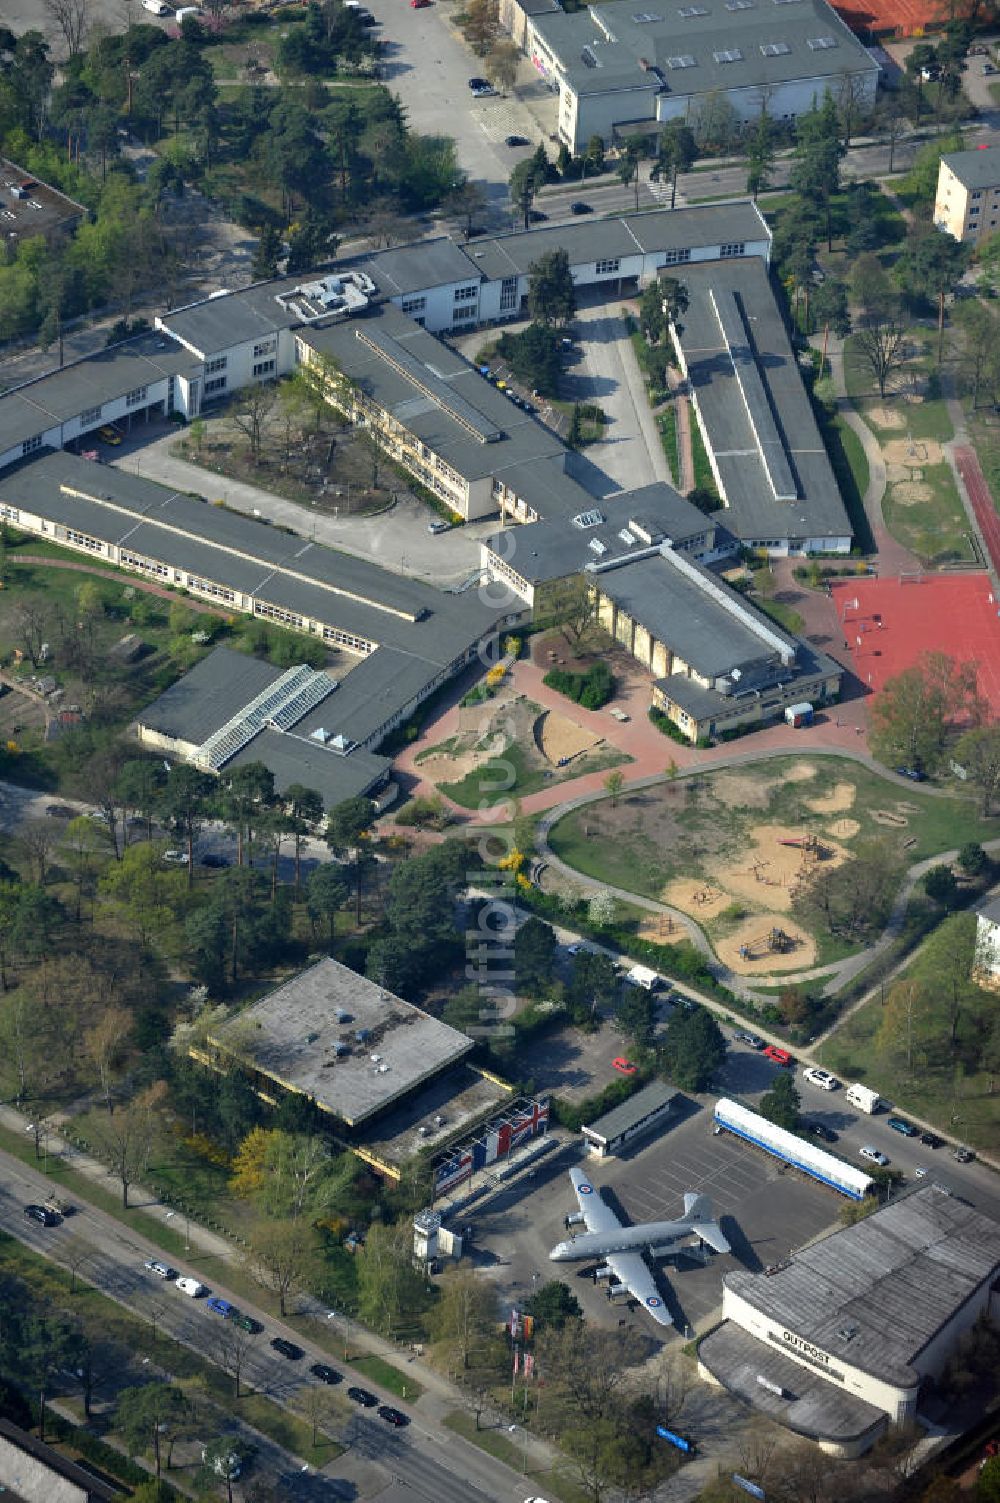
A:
(967, 201)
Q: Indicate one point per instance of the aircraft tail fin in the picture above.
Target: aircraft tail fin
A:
(698, 1210)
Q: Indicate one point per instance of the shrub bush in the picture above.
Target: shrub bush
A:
(590, 690)
(666, 725)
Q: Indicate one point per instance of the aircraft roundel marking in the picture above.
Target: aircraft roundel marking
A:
(585, 1189)
(654, 1302)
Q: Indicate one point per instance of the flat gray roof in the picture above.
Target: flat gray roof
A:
(209, 695)
(874, 1295)
(701, 225)
(811, 1405)
(281, 568)
(990, 911)
(978, 168)
(775, 435)
(231, 318)
(434, 393)
(93, 381)
(555, 546)
(682, 604)
(291, 1036)
(711, 46)
(293, 758)
(652, 1098)
(422, 264)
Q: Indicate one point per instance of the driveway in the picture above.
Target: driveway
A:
(608, 374)
(397, 539)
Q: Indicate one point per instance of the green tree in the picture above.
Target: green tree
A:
(695, 1048)
(613, 785)
(973, 859)
(782, 1104)
(247, 792)
(592, 984)
(636, 1015)
(903, 1023)
(574, 437)
(818, 151)
(125, 1140)
(282, 1256)
(464, 1320)
(534, 956)
(676, 151)
(326, 894)
(652, 319)
(931, 266)
(148, 1415)
(853, 900)
(184, 804)
(628, 167)
(523, 185)
(553, 1304)
(266, 254)
(978, 751)
(389, 1287)
(148, 895)
(941, 885)
(829, 308)
(348, 823)
(305, 810)
(916, 709)
(140, 785)
(551, 293)
(760, 156)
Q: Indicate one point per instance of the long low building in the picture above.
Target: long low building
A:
(840, 1340)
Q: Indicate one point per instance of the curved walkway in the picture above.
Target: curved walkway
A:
(840, 972)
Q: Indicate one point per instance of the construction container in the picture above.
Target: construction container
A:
(798, 715)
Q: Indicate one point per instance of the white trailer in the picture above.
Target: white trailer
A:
(865, 1099)
(816, 1162)
(641, 975)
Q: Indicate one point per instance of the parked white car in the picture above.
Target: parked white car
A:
(874, 1156)
(822, 1078)
(190, 1286)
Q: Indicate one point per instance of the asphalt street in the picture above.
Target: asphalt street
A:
(436, 1465)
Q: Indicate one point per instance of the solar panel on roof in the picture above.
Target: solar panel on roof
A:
(687, 11)
(775, 49)
(820, 44)
(684, 61)
(731, 55)
(588, 518)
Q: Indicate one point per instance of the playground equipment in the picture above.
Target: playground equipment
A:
(705, 895)
(775, 941)
(807, 844)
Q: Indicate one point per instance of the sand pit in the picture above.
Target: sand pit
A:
(886, 417)
(908, 453)
(841, 796)
(700, 899)
(844, 829)
(560, 739)
(911, 492)
(764, 961)
(657, 928)
(768, 872)
(800, 772)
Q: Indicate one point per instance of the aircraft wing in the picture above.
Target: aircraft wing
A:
(597, 1217)
(630, 1268)
(710, 1233)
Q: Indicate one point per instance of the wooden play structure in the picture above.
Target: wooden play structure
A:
(810, 847)
(775, 941)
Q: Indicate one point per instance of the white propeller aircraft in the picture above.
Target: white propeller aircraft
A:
(622, 1247)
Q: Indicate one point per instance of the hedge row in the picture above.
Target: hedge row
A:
(590, 690)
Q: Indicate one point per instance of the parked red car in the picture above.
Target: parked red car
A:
(780, 1056)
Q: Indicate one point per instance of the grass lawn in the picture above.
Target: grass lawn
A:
(703, 477)
(695, 825)
(850, 465)
(666, 422)
(403, 1385)
(936, 529)
(787, 616)
(985, 429)
(559, 1483)
(921, 419)
(492, 782)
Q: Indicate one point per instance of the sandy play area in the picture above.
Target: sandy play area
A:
(773, 943)
(769, 871)
(841, 796)
(560, 739)
(844, 829)
(701, 899)
(886, 417)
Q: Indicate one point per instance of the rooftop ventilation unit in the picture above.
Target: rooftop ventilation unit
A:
(848, 1333)
(820, 44)
(627, 537)
(645, 17)
(596, 546)
(732, 55)
(587, 58)
(775, 49)
(342, 1015)
(686, 12)
(320, 734)
(585, 519)
(684, 61)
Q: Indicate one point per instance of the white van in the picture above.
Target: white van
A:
(187, 10)
(190, 1286)
(641, 975)
(864, 1099)
(156, 7)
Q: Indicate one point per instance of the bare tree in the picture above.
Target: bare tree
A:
(30, 628)
(102, 1045)
(279, 1257)
(39, 838)
(75, 1252)
(317, 1407)
(881, 341)
(127, 1138)
(500, 64)
(231, 1347)
(249, 414)
(71, 18)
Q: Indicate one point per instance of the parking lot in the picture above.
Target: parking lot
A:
(765, 1212)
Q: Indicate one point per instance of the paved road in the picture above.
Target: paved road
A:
(436, 1465)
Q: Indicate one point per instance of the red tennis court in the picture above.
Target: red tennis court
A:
(889, 623)
(892, 18)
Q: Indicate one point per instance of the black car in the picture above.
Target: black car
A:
(913, 773)
(42, 1215)
(212, 858)
(60, 811)
(479, 83)
(393, 1416)
(579, 207)
(246, 1323)
(536, 216)
(363, 1397)
(931, 1140)
(821, 1131)
(325, 1374)
(287, 1348)
(516, 141)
